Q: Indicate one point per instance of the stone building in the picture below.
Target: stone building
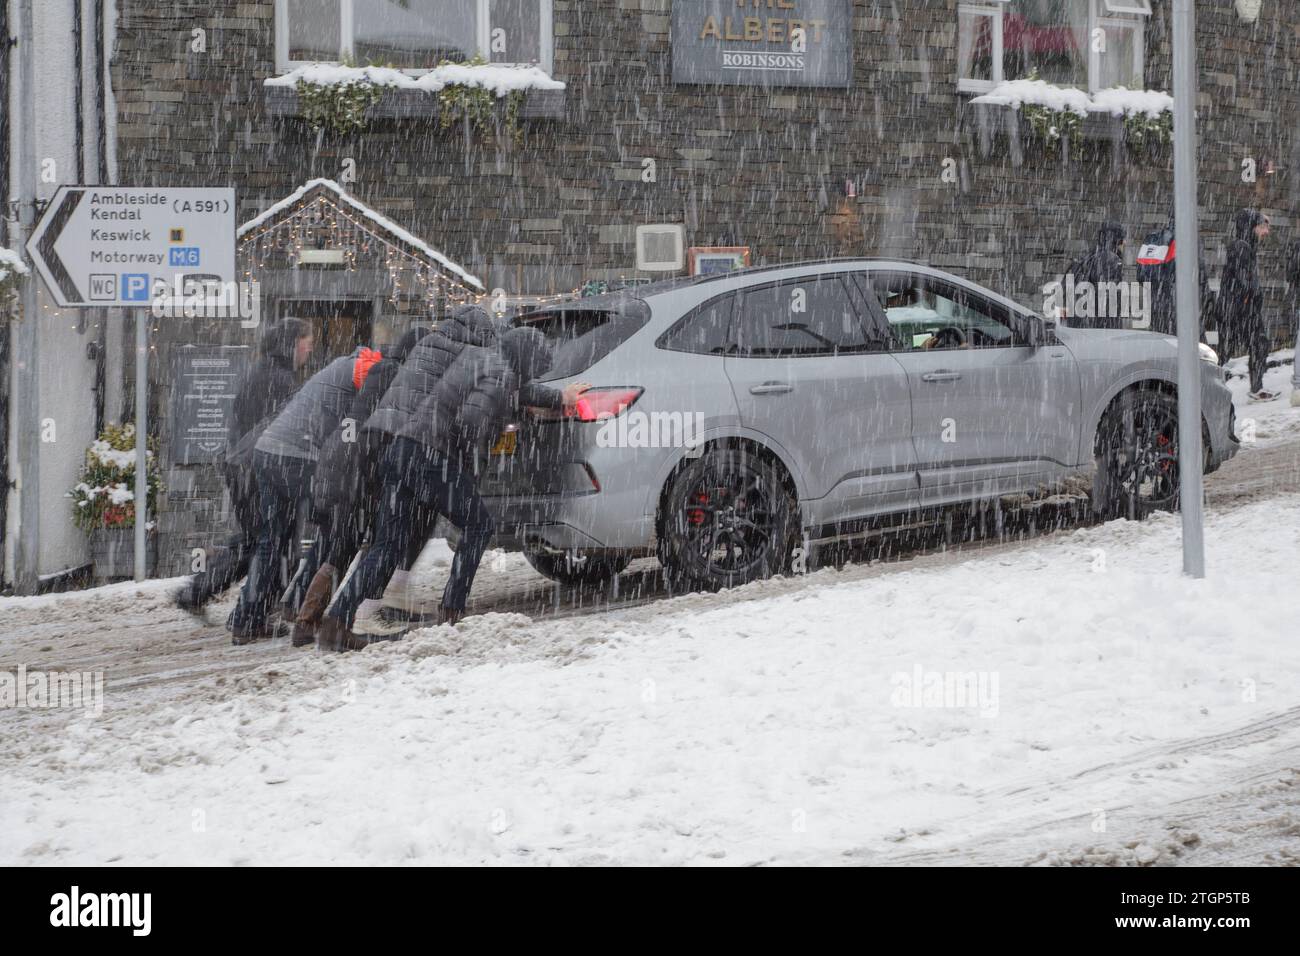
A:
(792, 172)
(795, 128)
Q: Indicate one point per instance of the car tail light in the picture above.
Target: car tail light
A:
(599, 403)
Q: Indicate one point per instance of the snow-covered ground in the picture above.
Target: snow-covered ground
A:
(1265, 422)
(768, 725)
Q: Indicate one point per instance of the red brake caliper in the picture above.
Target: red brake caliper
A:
(1163, 442)
(696, 515)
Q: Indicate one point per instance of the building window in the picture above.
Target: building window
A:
(1088, 44)
(412, 35)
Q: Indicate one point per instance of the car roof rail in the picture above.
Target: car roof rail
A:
(776, 266)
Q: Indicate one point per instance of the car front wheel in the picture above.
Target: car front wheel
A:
(1137, 457)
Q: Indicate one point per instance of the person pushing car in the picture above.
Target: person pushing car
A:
(433, 465)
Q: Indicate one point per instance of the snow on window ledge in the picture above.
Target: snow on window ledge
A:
(1117, 101)
(1124, 102)
(11, 264)
(501, 80)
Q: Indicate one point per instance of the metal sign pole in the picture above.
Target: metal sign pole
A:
(26, 421)
(1187, 237)
(141, 439)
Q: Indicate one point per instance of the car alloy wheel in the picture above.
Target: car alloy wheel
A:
(1138, 457)
(728, 519)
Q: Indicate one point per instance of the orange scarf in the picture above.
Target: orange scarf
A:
(364, 363)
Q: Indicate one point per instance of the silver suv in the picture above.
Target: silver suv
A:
(733, 415)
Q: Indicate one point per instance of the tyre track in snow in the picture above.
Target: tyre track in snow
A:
(1152, 815)
(145, 645)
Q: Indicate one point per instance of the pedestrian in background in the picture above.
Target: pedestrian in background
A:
(1293, 282)
(1156, 266)
(1241, 299)
(265, 390)
(1102, 266)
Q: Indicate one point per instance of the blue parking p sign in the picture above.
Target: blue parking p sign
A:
(135, 287)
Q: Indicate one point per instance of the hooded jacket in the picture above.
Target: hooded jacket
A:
(1102, 265)
(1162, 273)
(349, 459)
(265, 391)
(467, 326)
(1241, 299)
(481, 392)
(314, 412)
(271, 381)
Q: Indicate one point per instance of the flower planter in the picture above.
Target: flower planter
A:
(282, 102)
(112, 551)
(1101, 133)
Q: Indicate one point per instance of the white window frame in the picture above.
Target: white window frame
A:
(992, 10)
(1138, 26)
(1140, 8)
(1100, 15)
(483, 36)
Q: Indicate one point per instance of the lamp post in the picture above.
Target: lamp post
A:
(1186, 226)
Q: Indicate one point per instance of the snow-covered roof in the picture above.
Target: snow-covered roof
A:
(380, 220)
(489, 76)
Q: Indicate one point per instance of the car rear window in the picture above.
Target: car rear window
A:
(581, 334)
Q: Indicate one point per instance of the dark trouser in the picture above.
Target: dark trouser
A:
(338, 536)
(418, 485)
(281, 485)
(228, 561)
(1255, 337)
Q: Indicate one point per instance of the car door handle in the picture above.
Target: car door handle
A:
(771, 388)
(943, 375)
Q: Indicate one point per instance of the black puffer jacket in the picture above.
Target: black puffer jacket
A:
(481, 393)
(1163, 278)
(349, 459)
(315, 411)
(467, 326)
(1241, 297)
(271, 381)
(1102, 265)
(265, 391)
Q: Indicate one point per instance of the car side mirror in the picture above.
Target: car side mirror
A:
(1040, 331)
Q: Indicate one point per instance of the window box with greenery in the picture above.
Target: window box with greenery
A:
(103, 501)
(415, 48)
(1063, 118)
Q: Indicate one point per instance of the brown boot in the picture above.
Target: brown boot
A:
(313, 606)
(333, 635)
(449, 615)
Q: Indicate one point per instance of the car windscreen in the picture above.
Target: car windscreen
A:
(582, 335)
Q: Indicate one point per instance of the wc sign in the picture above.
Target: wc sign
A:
(114, 245)
(134, 287)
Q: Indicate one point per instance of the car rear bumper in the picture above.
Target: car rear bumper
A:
(591, 499)
(569, 523)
